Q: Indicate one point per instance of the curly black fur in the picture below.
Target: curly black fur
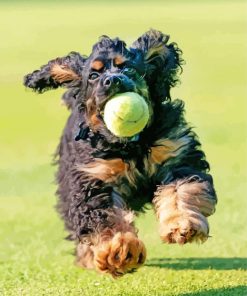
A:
(150, 67)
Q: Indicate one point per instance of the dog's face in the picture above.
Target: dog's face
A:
(111, 69)
(149, 67)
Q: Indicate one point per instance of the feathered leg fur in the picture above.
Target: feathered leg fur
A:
(182, 208)
(114, 250)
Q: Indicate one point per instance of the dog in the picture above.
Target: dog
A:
(105, 180)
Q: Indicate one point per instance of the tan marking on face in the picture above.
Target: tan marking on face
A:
(90, 106)
(119, 60)
(105, 170)
(97, 65)
(95, 121)
(62, 73)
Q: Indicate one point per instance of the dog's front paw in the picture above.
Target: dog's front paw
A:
(184, 228)
(122, 254)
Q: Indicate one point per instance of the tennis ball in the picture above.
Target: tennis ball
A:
(126, 114)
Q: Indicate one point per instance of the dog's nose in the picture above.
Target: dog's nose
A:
(112, 80)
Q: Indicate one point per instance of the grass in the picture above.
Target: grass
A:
(34, 258)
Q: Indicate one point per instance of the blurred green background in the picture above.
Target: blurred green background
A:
(34, 258)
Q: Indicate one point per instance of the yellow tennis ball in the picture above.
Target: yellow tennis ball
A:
(126, 114)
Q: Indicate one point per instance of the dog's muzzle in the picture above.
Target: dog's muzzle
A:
(113, 81)
(110, 85)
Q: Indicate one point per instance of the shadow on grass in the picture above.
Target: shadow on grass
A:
(199, 263)
(235, 291)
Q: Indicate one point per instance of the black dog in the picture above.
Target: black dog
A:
(103, 179)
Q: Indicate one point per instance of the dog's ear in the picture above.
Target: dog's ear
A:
(65, 71)
(162, 60)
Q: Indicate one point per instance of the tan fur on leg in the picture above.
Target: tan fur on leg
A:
(182, 208)
(84, 256)
(118, 250)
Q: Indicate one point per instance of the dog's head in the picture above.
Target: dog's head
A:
(149, 67)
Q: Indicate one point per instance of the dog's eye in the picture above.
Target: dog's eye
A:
(93, 76)
(129, 71)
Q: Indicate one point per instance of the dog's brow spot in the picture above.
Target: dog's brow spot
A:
(97, 65)
(119, 60)
(95, 120)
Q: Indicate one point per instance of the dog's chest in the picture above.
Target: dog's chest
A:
(132, 166)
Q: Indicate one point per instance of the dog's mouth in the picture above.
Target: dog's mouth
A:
(101, 101)
(131, 108)
(103, 98)
(104, 93)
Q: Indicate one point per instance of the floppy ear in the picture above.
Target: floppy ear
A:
(65, 71)
(163, 62)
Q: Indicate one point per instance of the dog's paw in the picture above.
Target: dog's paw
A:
(122, 254)
(183, 229)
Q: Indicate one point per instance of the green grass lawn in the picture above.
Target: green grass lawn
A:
(34, 258)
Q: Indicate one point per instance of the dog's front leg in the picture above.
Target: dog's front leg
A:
(113, 247)
(182, 207)
(117, 249)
